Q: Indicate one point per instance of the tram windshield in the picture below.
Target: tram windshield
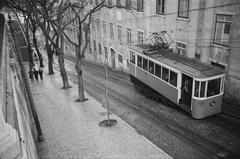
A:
(208, 88)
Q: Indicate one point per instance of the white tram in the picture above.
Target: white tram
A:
(194, 86)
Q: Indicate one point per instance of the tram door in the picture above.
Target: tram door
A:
(186, 90)
(113, 58)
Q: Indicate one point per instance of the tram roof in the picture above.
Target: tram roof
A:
(185, 64)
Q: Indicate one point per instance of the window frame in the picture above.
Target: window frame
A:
(170, 72)
(160, 11)
(99, 49)
(106, 52)
(120, 59)
(149, 70)
(181, 48)
(140, 5)
(132, 57)
(168, 75)
(119, 32)
(128, 4)
(104, 27)
(111, 30)
(215, 28)
(145, 65)
(184, 11)
(140, 37)
(155, 68)
(94, 45)
(110, 3)
(129, 35)
(138, 64)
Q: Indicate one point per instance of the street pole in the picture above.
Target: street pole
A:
(109, 122)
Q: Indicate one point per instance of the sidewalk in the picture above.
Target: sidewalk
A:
(71, 129)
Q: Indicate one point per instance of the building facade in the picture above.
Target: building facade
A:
(201, 29)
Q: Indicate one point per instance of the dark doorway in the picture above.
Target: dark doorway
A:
(186, 90)
(113, 58)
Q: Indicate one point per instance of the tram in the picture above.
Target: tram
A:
(188, 83)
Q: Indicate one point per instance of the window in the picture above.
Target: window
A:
(129, 36)
(128, 4)
(196, 90)
(111, 31)
(104, 28)
(140, 37)
(222, 29)
(202, 91)
(151, 67)
(213, 87)
(160, 6)
(94, 45)
(140, 5)
(118, 3)
(132, 57)
(222, 85)
(139, 61)
(106, 52)
(158, 70)
(98, 25)
(181, 48)
(173, 78)
(120, 58)
(183, 8)
(100, 49)
(110, 3)
(119, 28)
(96, 2)
(165, 74)
(93, 25)
(145, 64)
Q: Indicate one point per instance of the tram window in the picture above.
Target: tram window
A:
(222, 87)
(165, 74)
(151, 67)
(213, 87)
(202, 92)
(173, 78)
(139, 61)
(158, 70)
(145, 64)
(132, 57)
(196, 91)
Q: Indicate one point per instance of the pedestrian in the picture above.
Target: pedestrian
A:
(40, 73)
(31, 74)
(35, 72)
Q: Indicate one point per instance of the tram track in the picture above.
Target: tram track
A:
(176, 130)
(196, 141)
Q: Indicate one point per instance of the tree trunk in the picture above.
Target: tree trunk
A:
(50, 58)
(62, 66)
(78, 67)
(36, 47)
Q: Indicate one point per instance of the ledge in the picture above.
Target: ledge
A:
(183, 19)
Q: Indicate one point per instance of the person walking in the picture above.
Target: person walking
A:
(40, 73)
(31, 74)
(35, 72)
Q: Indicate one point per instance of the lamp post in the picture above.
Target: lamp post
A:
(108, 122)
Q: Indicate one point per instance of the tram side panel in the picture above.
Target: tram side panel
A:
(158, 85)
(206, 107)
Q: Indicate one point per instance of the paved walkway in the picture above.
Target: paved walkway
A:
(71, 129)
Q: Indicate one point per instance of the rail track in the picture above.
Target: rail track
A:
(206, 147)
